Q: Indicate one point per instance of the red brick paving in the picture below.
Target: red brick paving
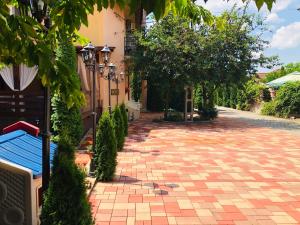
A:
(225, 172)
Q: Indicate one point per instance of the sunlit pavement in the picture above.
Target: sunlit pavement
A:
(230, 171)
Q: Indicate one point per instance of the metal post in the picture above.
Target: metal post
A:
(192, 103)
(46, 141)
(109, 100)
(117, 80)
(185, 104)
(94, 117)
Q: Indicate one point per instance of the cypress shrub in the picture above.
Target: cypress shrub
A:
(119, 127)
(67, 120)
(239, 99)
(125, 118)
(198, 97)
(65, 201)
(220, 96)
(65, 117)
(106, 149)
(227, 96)
(224, 96)
(233, 97)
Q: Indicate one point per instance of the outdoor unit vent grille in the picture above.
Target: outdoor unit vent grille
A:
(15, 197)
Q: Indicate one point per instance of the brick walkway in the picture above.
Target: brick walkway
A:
(226, 172)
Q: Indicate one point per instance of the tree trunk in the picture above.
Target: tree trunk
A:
(167, 99)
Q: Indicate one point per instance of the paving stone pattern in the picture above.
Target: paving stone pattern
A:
(230, 171)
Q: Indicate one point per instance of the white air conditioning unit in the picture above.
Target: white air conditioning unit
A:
(20, 195)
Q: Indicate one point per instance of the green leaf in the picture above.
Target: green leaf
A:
(105, 3)
(259, 3)
(28, 29)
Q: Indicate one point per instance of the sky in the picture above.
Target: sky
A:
(283, 21)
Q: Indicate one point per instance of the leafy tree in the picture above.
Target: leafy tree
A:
(119, 127)
(125, 118)
(66, 201)
(106, 149)
(136, 86)
(177, 54)
(63, 118)
(164, 56)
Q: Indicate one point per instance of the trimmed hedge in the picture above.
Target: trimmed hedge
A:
(119, 127)
(106, 149)
(65, 201)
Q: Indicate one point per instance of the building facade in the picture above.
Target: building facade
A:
(112, 27)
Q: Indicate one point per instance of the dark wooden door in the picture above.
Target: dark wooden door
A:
(24, 105)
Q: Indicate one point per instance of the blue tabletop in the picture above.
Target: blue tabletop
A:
(23, 149)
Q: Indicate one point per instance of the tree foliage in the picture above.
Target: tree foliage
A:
(25, 40)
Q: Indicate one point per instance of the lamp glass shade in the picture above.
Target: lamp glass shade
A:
(40, 5)
(101, 68)
(105, 53)
(112, 68)
(122, 75)
(85, 55)
(90, 51)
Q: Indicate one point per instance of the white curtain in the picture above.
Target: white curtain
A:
(7, 74)
(82, 71)
(27, 75)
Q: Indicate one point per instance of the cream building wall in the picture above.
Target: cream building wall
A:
(108, 27)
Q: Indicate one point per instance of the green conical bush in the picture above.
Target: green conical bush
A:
(65, 202)
(125, 118)
(119, 127)
(67, 119)
(106, 149)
